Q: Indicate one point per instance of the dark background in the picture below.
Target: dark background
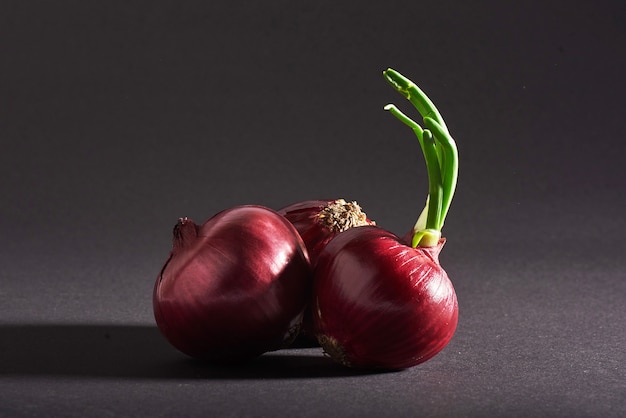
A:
(116, 118)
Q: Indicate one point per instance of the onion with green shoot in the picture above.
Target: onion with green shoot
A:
(382, 301)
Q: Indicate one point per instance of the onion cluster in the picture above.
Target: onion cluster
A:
(250, 279)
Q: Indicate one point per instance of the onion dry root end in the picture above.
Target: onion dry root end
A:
(341, 215)
(334, 350)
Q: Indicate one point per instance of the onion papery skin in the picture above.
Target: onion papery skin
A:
(314, 221)
(381, 304)
(234, 287)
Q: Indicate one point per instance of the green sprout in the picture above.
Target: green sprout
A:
(440, 153)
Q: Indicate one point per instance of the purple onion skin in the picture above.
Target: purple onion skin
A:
(381, 304)
(234, 287)
(314, 234)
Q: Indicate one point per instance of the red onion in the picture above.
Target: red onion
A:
(319, 221)
(234, 287)
(381, 301)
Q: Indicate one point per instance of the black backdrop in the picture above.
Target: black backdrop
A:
(116, 118)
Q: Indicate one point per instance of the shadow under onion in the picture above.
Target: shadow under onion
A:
(140, 352)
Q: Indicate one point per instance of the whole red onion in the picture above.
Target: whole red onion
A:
(234, 287)
(319, 221)
(379, 303)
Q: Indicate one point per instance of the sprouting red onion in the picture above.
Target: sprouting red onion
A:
(319, 221)
(234, 287)
(379, 303)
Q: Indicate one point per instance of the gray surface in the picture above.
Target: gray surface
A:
(116, 119)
